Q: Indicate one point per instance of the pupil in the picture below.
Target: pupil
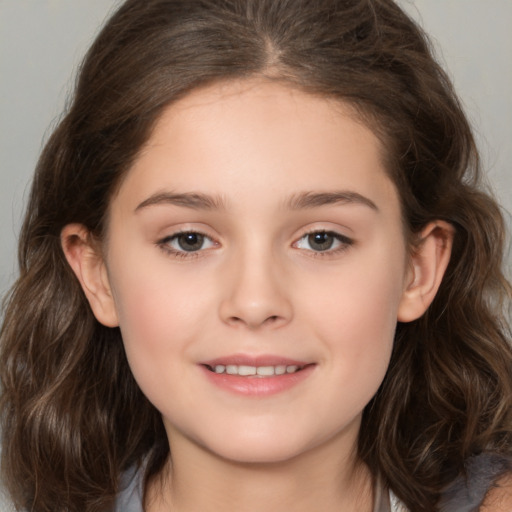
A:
(190, 241)
(320, 241)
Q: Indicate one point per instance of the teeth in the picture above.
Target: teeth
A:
(266, 371)
(261, 371)
(246, 370)
(280, 370)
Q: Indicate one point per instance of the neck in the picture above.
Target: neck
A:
(320, 479)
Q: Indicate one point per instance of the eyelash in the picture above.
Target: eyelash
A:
(182, 254)
(343, 240)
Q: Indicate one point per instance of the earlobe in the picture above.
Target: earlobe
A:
(89, 267)
(427, 267)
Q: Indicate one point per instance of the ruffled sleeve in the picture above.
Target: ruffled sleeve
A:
(482, 473)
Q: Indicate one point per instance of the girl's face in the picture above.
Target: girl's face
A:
(258, 233)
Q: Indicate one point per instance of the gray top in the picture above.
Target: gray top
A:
(463, 495)
(466, 495)
(130, 497)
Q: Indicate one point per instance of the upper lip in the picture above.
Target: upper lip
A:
(252, 360)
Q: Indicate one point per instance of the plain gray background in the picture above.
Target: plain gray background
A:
(42, 42)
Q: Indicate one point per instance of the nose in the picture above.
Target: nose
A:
(256, 293)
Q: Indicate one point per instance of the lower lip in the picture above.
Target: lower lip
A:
(258, 386)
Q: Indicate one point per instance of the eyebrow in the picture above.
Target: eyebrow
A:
(301, 201)
(307, 200)
(194, 200)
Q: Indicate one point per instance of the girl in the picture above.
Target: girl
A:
(257, 273)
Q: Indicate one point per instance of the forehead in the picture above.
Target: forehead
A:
(252, 137)
(253, 102)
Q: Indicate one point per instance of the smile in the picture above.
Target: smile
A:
(254, 371)
(256, 376)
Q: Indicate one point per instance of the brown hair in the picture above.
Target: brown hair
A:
(73, 418)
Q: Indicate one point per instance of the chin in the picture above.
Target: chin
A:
(259, 449)
(260, 455)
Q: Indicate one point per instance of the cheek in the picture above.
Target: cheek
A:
(356, 319)
(158, 315)
(153, 297)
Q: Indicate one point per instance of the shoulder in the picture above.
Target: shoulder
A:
(486, 486)
(499, 496)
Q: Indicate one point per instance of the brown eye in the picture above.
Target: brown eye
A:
(321, 241)
(187, 242)
(190, 241)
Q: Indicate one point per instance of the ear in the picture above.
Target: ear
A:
(84, 257)
(427, 267)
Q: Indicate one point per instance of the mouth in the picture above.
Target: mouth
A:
(255, 371)
(256, 376)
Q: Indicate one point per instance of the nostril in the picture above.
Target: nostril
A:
(269, 320)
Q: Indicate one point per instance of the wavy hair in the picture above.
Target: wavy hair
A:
(73, 418)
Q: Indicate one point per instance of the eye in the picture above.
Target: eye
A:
(323, 241)
(186, 242)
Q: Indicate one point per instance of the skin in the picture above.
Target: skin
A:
(258, 286)
(499, 497)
